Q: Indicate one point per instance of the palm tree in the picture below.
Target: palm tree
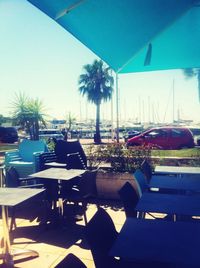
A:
(70, 120)
(37, 116)
(96, 84)
(193, 72)
(28, 113)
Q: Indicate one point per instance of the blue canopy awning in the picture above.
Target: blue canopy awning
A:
(131, 34)
(177, 47)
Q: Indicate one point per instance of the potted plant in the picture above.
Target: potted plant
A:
(116, 166)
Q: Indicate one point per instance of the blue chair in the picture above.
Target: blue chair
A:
(100, 234)
(129, 198)
(26, 159)
(141, 181)
(146, 169)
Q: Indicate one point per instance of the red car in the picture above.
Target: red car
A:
(164, 138)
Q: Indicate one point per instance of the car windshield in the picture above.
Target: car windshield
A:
(152, 134)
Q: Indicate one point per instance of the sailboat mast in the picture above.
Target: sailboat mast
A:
(173, 102)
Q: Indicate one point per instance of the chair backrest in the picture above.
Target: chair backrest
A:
(46, 157)
(129, 197)
(141, 181)
(62, 148)
(146, 169)
(100, 234)
(87, 184)
(28, 147)
(12, 178)
(71, 261)
(74, 161)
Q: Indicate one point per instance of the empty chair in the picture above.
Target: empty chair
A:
(26, 158)
(75, 161)
(143, 186)
(146, 169)
(13, 180)
(85, 192)
(46, 157)
(129, 197)
(51, 186)
(141, 181)
(72, 161)
(101, 234)
(71, 261)
(63, 148)
(68, 153)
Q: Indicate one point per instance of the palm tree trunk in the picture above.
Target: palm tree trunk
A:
(28, 126)
(36, 130)
(97, 138)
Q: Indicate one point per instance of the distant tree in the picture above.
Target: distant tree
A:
(96, 83)
(70, 120)
(191, 73)
(28, 113)
(2, 119)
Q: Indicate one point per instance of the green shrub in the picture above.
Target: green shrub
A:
(120, 158)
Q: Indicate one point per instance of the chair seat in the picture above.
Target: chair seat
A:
(55, 164)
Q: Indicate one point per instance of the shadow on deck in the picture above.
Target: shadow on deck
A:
(58, 238)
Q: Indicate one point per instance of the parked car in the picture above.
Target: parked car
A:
(164, 138)
(131, 134)
(8, 134)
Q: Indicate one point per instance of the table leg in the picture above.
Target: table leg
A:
(60, 207)
(1, 176)
(8, 254)
(141, 215)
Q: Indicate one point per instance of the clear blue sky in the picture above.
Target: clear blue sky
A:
(40, 58)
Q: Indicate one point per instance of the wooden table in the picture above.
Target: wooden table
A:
(157, 240)
(58, 174)
(177, 170)
(185, 183)
(10, 197)
(173, 204)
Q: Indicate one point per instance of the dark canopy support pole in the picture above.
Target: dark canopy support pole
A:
(117, 109)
